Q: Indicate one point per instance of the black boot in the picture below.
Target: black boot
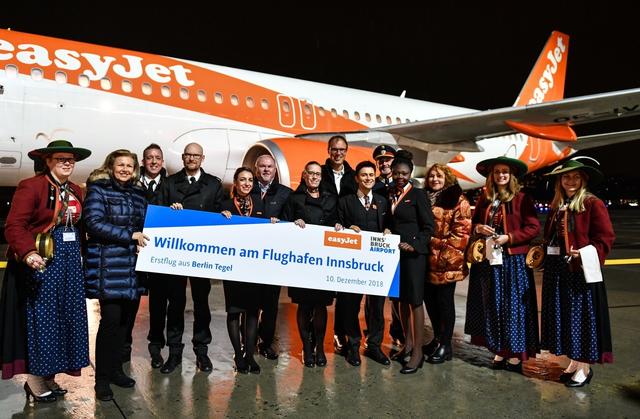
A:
(442, 353)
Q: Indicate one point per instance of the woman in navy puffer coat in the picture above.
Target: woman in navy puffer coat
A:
(115, 210)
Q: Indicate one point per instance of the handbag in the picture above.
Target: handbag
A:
(535, 257)
(475, 251)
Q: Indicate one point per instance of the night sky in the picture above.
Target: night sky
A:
(473, 56)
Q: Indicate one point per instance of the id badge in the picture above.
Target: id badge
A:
(553, 250)
(69, 236)
(494, 256)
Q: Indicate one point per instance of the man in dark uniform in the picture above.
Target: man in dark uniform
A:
(363, 210)
(383, 155)
(338, 178)
(273, 195)
(190, 188)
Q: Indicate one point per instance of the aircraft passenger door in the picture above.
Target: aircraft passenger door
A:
(286, 111)
(215, 143)
(534, 149)
(10, 131)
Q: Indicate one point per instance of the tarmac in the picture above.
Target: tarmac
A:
(465, 387)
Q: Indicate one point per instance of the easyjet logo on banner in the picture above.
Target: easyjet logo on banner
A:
(344, 240)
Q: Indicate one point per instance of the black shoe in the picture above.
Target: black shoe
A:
(402, 357)
(254, 368)
(321, 359)
(172, 362)
(353, 356)
(267, 352)
(375, 353)
(441, 354)
(430, 348)
(103, 392)
(122, 380)
(308, 359)
(204, 363)
(565, 377)
(156, 361)
(48, 397)
(499, 365)
(572, 383)
(513, 367)
(412, 370)
(55, 388)
(241, 364)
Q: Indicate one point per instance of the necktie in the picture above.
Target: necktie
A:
(367, 204)
(192, 180)
(151, 185)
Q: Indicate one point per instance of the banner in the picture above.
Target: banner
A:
(208, 245)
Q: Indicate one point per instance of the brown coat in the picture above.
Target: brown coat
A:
(452, 216)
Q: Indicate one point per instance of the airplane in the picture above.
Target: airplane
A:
(104, 98)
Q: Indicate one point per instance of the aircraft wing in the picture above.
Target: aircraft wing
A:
(460, 132)
(586, 142)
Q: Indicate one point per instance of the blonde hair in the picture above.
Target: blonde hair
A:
(510, 191)
(577, 202)
(107, 166)
(449, 177)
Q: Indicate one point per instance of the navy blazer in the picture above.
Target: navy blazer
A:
(352, 212)
(204, 195)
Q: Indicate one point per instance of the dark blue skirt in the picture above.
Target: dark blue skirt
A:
(510, 310)
(575, 315)
(57, 334)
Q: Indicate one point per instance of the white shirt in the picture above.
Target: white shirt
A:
(146, 180)
(337, 176)
(361, 197)
(196, 176)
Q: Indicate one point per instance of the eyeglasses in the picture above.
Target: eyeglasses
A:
(65, 160)
(192, 156)
(314, 174)
(338, 150)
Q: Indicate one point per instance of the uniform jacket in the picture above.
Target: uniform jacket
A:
(348, 183)
(152, 195)
(320, 212)
(413, 220)
(351, 211)
(273, 200)
(519, 220)
(590, 227)
(381, 187)
(34, 210)
(112, 214)
(452, 218)
(204, 195)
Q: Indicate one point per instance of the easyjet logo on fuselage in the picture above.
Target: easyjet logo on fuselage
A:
(344, 240)
(127, 66)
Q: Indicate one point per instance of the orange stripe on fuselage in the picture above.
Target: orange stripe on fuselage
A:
(26, 51)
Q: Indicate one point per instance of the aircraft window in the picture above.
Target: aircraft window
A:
(285, 106)
(398, 120)
(83, 80)
(36, 74)
(378, 119)
(307, 109)
(345, 113)
(202, 96)
(334, 113)
(218, 98)
(389, 120)
(184, 93)
(165, 90)
(61, 77)
(265, 104)
(12, 70)
(105, 84)
(127, 87)
(367, 116)
(234, 100)
(249, 101)
(321, 111)
(147, 89)
(356, 115)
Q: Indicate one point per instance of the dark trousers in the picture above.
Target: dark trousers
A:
(374, 314)
(339, 317)
(128, 337)
(115, 317)
(441, 309)
(172, 298)
(269, 305)
(375, 320)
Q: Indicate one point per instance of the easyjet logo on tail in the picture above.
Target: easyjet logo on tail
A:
(344, 240)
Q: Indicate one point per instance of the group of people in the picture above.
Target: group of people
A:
(65, 246)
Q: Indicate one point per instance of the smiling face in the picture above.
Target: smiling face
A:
(401, 174)
(572, 182)
(436, 179)
(265, 169)
(61, 165)
(312, 175)
(337, 152)
(152, 162)
(501, 175)
(243, 183)
(123, 168)
(366, 179)
(384, 166)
